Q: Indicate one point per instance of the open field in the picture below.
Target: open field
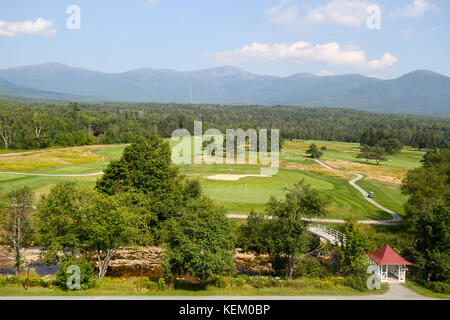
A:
(244, 194)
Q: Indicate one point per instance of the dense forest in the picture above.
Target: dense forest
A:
(38, 124)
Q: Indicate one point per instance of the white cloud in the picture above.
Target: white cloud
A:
(386, 61)
(39, 27)
(351, 13)
(329, 54)
(416, 9)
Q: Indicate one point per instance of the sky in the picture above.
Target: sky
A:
(384, 39)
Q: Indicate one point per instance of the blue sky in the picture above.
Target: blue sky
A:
(277, 37)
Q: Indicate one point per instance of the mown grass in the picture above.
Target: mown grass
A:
(129, 287)
(414, 286)
(248, 193)
(389, 196)
(253, 192)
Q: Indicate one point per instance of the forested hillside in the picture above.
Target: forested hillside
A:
(36, 124)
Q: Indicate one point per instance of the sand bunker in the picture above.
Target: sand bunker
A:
(235, 177)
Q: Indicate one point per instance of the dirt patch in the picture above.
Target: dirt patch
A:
(314, 168)
(373, 172)
(235, 177)
(44, 159)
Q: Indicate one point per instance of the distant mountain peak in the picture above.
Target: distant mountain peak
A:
(420, 92)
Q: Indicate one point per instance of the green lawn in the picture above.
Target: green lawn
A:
(128, 288)
(347, 151)
(414, 286)
(251, 192)
(236, 198)
(387, 195)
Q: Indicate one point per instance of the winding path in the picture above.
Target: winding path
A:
(396, 219)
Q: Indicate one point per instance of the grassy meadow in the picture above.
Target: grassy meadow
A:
(246, 193)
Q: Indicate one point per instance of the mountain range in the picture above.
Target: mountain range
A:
(420, 92)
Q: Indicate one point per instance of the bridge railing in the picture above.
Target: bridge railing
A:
(337, 235)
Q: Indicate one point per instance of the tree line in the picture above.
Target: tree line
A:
(31, 125)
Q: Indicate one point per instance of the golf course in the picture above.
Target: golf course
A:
(238, 195)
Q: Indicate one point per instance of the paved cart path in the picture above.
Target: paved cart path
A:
(396, 219)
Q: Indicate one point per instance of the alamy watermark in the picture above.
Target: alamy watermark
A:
(192, 149)
(74, 281)
(374, 281)
(74, 20)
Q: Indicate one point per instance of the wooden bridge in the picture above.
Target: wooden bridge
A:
(331, 235)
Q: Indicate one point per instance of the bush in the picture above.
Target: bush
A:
(439, 287)
(357, 282)
(300, 283)
(309, 267)
(87, 273)
(265, 282)
(4, 281)
(218, 282)
(44, 282)
(190, 285)
(239, 282)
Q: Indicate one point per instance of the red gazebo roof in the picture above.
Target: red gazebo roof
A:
(387, 255)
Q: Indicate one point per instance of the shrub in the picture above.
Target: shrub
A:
(217, 281)
(44, 282)
(300, 283)
(87, 273)
(323, 284)
(161, 284)
(309, 267)
(150, 285)
(190, 285)
(265, 282)
(439, 287)
(239, 282)
(357, 282)
(4, 281)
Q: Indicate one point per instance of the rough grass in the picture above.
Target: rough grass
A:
(233, 195)
(128, 287)
(414, 286)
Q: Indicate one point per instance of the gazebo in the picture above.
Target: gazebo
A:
(391, 266)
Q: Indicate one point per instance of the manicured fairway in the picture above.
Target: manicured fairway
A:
(389, 196)
(247, 193)
(236, 198)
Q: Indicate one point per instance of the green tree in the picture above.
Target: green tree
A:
(87, 273)
(146, 167)
(372, 153)
(378, 154)
(77, 218)
(288, 223)
(364, 152)
(390, 145)
(353, 257)
(427, 216)
(199, 242)
(16, 222)
(314, 152)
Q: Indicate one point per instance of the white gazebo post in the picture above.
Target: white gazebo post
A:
(387, 260)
